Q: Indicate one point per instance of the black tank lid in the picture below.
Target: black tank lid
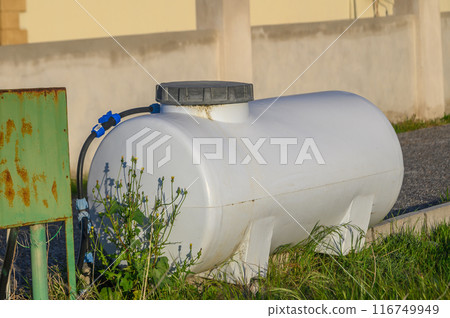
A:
(203, 93)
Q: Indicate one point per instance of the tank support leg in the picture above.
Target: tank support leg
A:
(252, 257)
(355, 224)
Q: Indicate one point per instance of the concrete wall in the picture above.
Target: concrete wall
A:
(445, 25)
(99, 76)
(153, 16)
(376, 58)
(231, 20)
(428, 50)
(380, 67)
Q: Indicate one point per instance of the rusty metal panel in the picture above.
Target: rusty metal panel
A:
(34, 157)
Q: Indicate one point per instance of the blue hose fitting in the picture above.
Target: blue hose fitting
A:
(156, 108)
(98, 129)
(82, 208)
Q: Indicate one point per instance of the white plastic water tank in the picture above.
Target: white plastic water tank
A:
(261, 173)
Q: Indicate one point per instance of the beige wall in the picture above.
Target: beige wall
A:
(445, 24)
(99, 76)
(376, 59)
(380, 67)
(56, 20)
(10, 31)
(264, 12)
(445, 5)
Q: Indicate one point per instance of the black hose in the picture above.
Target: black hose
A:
(84, 245)
(7, 263)
(134, 111)
(107, 125)
(80, 166)
(84, 233)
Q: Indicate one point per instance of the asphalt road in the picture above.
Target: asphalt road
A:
(426, 157)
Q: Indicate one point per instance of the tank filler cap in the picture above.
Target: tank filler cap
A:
(193, 93)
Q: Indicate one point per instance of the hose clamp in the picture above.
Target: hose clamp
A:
(107, 116)
(82, 208)
(98, 130)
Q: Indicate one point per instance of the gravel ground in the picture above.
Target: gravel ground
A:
(426, 156)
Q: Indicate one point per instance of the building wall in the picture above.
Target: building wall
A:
(55, 20)
(99, 76)
(268, 12)
(52, 20)
(10, 31)
(445, 5)
(375, 59)
(445, 24)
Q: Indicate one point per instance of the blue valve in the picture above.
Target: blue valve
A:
(98, 129)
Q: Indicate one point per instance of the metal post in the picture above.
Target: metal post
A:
(39, 261)
(70, 259)
(7, 263)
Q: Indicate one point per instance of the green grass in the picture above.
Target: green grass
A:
(413, 124)
(402, 266)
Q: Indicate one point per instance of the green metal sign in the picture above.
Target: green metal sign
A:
(34, 167)
(34, 157)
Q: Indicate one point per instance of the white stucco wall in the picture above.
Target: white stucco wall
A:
(99, 76)
(445, 24)
(375, 59)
